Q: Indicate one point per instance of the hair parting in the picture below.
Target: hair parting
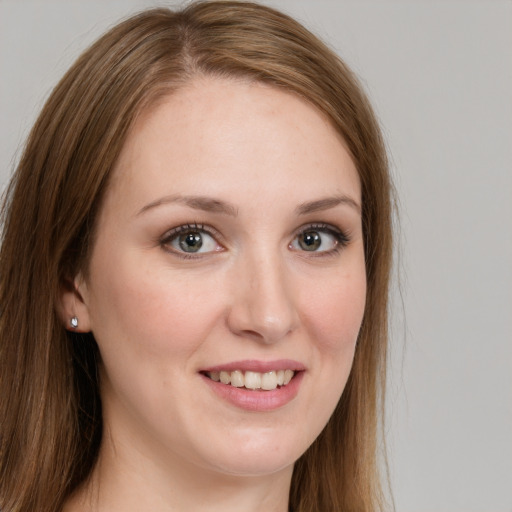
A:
(50, 406)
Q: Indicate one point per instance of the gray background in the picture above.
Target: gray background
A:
(440, 76)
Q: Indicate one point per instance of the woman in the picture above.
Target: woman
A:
(194, 276)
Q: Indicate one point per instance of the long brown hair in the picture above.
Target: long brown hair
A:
(50, 408)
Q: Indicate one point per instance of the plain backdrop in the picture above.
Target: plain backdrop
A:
(440, 76)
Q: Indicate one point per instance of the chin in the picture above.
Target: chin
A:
(259, 455)
(256, 467)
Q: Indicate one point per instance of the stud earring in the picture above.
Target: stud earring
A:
(74, 322)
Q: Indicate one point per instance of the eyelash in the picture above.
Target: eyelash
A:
(187, 228)
(342, 238)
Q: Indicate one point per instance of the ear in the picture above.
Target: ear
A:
(73, 304)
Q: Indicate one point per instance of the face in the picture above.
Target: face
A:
(226, 287)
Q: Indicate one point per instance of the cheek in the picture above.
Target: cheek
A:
(332, 316)
(154, 313)
(148, 322)
(335, 312)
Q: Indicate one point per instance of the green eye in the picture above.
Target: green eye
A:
(319, 238)
(190, 242)
(191, 239)
(310, 240)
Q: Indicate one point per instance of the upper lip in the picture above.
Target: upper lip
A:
(254, 365)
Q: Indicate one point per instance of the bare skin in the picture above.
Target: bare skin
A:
(230, 235)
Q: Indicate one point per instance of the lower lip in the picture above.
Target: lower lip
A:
(257, 400)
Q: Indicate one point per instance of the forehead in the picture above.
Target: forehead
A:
(222, 134)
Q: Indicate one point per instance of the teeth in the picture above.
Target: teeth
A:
(253, 380)
(269, 381)
(237, 379)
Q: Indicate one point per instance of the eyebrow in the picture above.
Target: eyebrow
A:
(206, 204)
(327, 203)
(212, 205)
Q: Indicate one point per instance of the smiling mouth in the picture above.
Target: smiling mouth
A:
(267, 381)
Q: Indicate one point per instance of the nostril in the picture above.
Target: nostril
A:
(247, 333)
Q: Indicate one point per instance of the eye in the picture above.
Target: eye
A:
(190, 240)
(319, 238)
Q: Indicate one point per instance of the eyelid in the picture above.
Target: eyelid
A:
(168, 236)
(191, 226)
(341, 235)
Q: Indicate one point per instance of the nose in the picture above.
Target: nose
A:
(263, 306)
